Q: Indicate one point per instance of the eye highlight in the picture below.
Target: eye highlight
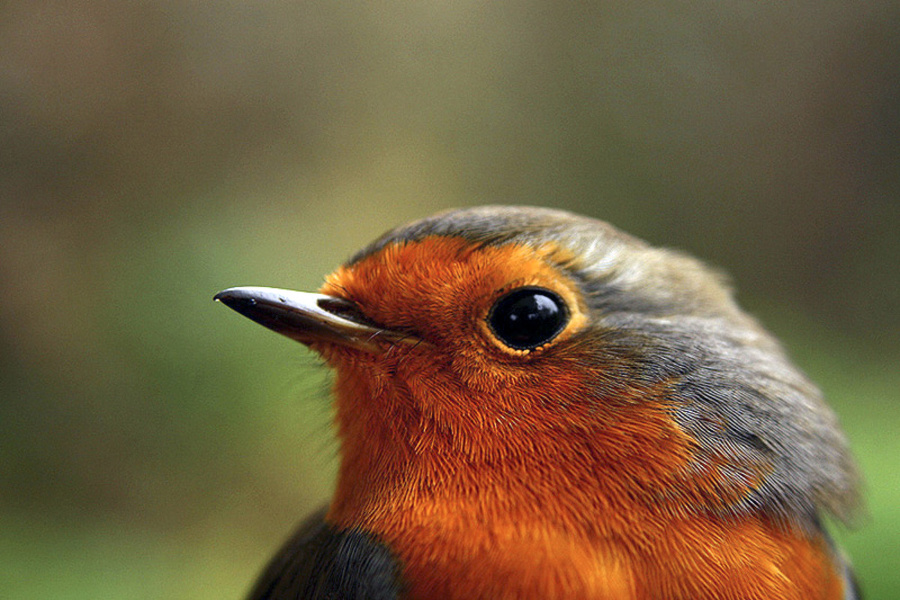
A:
(528, 317)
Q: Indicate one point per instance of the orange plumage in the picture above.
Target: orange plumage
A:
(651, 442)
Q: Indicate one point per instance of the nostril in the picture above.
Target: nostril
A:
(345, 310)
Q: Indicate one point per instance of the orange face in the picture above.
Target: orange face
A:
(441, 291)
(462, 375)
(442, 288)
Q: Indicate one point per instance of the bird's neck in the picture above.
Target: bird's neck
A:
(535, 531)
(594, 517)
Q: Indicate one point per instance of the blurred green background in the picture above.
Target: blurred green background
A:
(156, 445)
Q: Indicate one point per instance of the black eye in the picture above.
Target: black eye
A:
(528, 317)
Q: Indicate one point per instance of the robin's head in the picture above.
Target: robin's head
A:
(501, 335)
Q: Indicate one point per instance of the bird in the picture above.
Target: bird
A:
(533, 404)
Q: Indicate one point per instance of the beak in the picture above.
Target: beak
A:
(309, 318)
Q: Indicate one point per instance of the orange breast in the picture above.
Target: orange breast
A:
(450, 552)
(543, 528)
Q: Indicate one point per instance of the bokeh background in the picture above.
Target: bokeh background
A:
(156, 445)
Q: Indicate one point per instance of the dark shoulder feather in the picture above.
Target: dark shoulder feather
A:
(321, 562)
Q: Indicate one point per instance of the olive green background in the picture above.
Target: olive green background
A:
(154, 444)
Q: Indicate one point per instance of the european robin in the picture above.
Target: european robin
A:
(533, 404)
